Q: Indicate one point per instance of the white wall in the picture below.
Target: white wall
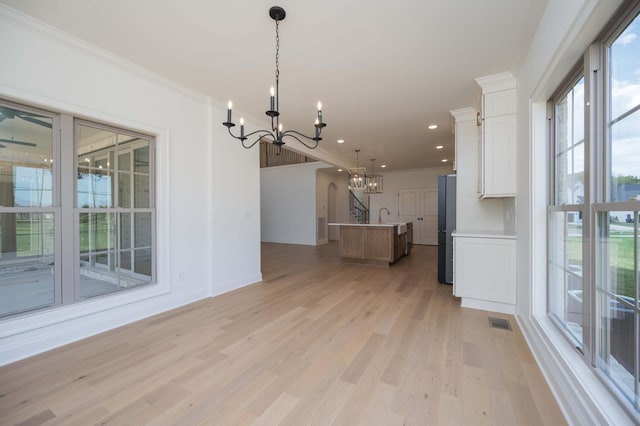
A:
(393, 181)
(235, 210)
(288, 203)
(207, 230)
(566, 29)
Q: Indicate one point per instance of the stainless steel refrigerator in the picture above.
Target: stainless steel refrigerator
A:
(446, 226)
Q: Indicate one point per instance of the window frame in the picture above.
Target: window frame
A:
(64, 207)
(55, 204)
(553, 205)
(595, 65)
(115, 209)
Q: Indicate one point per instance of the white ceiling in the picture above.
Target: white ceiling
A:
(382, 70)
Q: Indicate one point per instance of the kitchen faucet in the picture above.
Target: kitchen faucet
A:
(380, 213)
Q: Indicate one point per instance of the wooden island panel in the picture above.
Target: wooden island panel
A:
(379, 245)
(352, 242)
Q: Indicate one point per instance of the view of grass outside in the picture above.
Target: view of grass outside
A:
(34, 234)
(621, 257)
(97, 231)
(621, 252)
(574, 244)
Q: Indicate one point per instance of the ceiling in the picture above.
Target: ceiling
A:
(383, 71)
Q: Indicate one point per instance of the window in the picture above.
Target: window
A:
(115, 215)
(617, 278)
(61, 243)
(566, 211)
(28, 210)
(593, 213)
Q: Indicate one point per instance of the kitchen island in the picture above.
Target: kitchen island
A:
(378, 244)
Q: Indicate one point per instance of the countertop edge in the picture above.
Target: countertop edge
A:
(386, 225)
(483, 234)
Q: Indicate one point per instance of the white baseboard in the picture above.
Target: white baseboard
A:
(503, 308)
(221, 288)
(59, 333)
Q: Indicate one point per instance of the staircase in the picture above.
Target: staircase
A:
(359, 211)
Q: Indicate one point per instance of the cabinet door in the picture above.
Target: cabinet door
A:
(485, 269)
(499, 103)
(499, 175)
(456, 286)
(480, 181)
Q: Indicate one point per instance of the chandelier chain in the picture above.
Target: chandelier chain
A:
(277, 133)
(277, 50)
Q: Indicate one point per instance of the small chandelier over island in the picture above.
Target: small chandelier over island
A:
(357, 175)
(277, 132)
(374, 182)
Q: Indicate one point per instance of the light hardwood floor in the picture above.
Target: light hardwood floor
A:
(318, 342)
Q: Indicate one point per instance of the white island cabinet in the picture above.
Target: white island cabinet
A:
(485, 270)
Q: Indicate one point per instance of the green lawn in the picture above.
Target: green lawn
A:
(620, 250)
(621, 261)
(34, 242)
(36, 238)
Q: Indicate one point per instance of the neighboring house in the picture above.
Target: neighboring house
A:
(627, 191)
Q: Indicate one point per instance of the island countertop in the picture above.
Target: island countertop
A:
(364, 224)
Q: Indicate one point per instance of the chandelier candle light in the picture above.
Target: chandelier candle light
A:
(276, 133)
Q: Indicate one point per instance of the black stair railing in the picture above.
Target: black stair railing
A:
(358, 210)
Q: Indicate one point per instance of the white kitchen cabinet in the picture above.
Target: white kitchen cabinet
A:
(485, 270)
(497, 140)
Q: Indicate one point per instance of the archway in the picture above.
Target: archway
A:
(332, 192)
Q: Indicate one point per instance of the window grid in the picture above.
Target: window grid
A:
(39, 216)
(29, 209)
(566, 260)
(117, 218)
(611, 147)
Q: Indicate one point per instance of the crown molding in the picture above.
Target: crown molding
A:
(496, 82)
(463, 114)
(46, 31)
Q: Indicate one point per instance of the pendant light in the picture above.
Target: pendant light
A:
(357, 175)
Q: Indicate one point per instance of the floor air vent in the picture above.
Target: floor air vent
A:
(499, 323)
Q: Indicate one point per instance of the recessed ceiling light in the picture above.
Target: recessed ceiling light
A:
(383, 166)
(444, 160)
(340, 140)
(433, 126)
(439, 147)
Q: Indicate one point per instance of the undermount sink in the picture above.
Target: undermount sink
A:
(402, 228)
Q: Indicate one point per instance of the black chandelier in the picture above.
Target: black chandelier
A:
(276, 133)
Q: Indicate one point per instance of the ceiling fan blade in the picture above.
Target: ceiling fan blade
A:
(35, 120)
(7, 112)
(18, 142)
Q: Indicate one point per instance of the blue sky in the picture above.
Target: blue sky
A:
(625, 86)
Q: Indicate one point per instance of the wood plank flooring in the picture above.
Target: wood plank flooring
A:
(318, 342)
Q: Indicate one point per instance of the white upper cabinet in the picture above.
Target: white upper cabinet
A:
(497, 144)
